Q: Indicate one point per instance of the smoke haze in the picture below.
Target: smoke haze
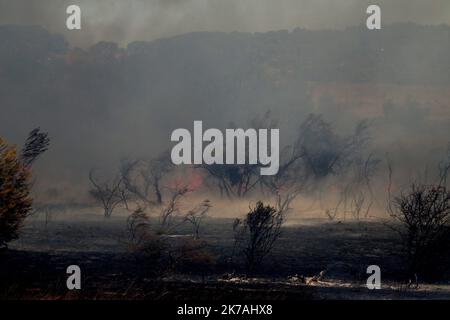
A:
(126, 21)
(141, 73)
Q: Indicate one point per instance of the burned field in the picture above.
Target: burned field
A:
(312, 259)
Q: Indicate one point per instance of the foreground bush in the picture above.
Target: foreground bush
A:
(142, 241)
(193, 257)
(424, 214)
(15, 199)
(256, 234)
(157, 254)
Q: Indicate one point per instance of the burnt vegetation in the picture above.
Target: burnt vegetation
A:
(255, 235)
(166, 217)
(166, 232)
(424, 213)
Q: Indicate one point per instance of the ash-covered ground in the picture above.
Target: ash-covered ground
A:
(313, 259)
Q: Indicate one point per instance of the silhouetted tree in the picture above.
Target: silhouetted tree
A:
(108, 193)
(143, 179)
(424, 215)
(238, 180)
(233, 180)
(171, 208)
(196, 215)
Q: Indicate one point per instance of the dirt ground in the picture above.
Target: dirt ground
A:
(34, 267)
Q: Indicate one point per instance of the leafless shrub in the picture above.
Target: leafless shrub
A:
(157, 253)
(47, 210)
(444, 169)
(36, 144)
(171, 209)
(318, 154)
(256, 234)
(331, 214)
(355, 201)
(326, 155)
(362, 196)
(143, 179)
(109, 194)
(141, 239)
(357, 205)
(233, 181)
(150, 250)
(138, 227)
(238, 181)
(424, 215)
(196, 215)
(323, 152)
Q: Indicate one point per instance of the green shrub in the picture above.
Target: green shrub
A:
(15, 174)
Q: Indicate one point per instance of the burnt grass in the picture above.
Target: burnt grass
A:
(34, 267)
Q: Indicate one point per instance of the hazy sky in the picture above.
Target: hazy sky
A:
(124, 21)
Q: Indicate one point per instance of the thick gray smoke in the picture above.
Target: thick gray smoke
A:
(126, 21)
(121, 99)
